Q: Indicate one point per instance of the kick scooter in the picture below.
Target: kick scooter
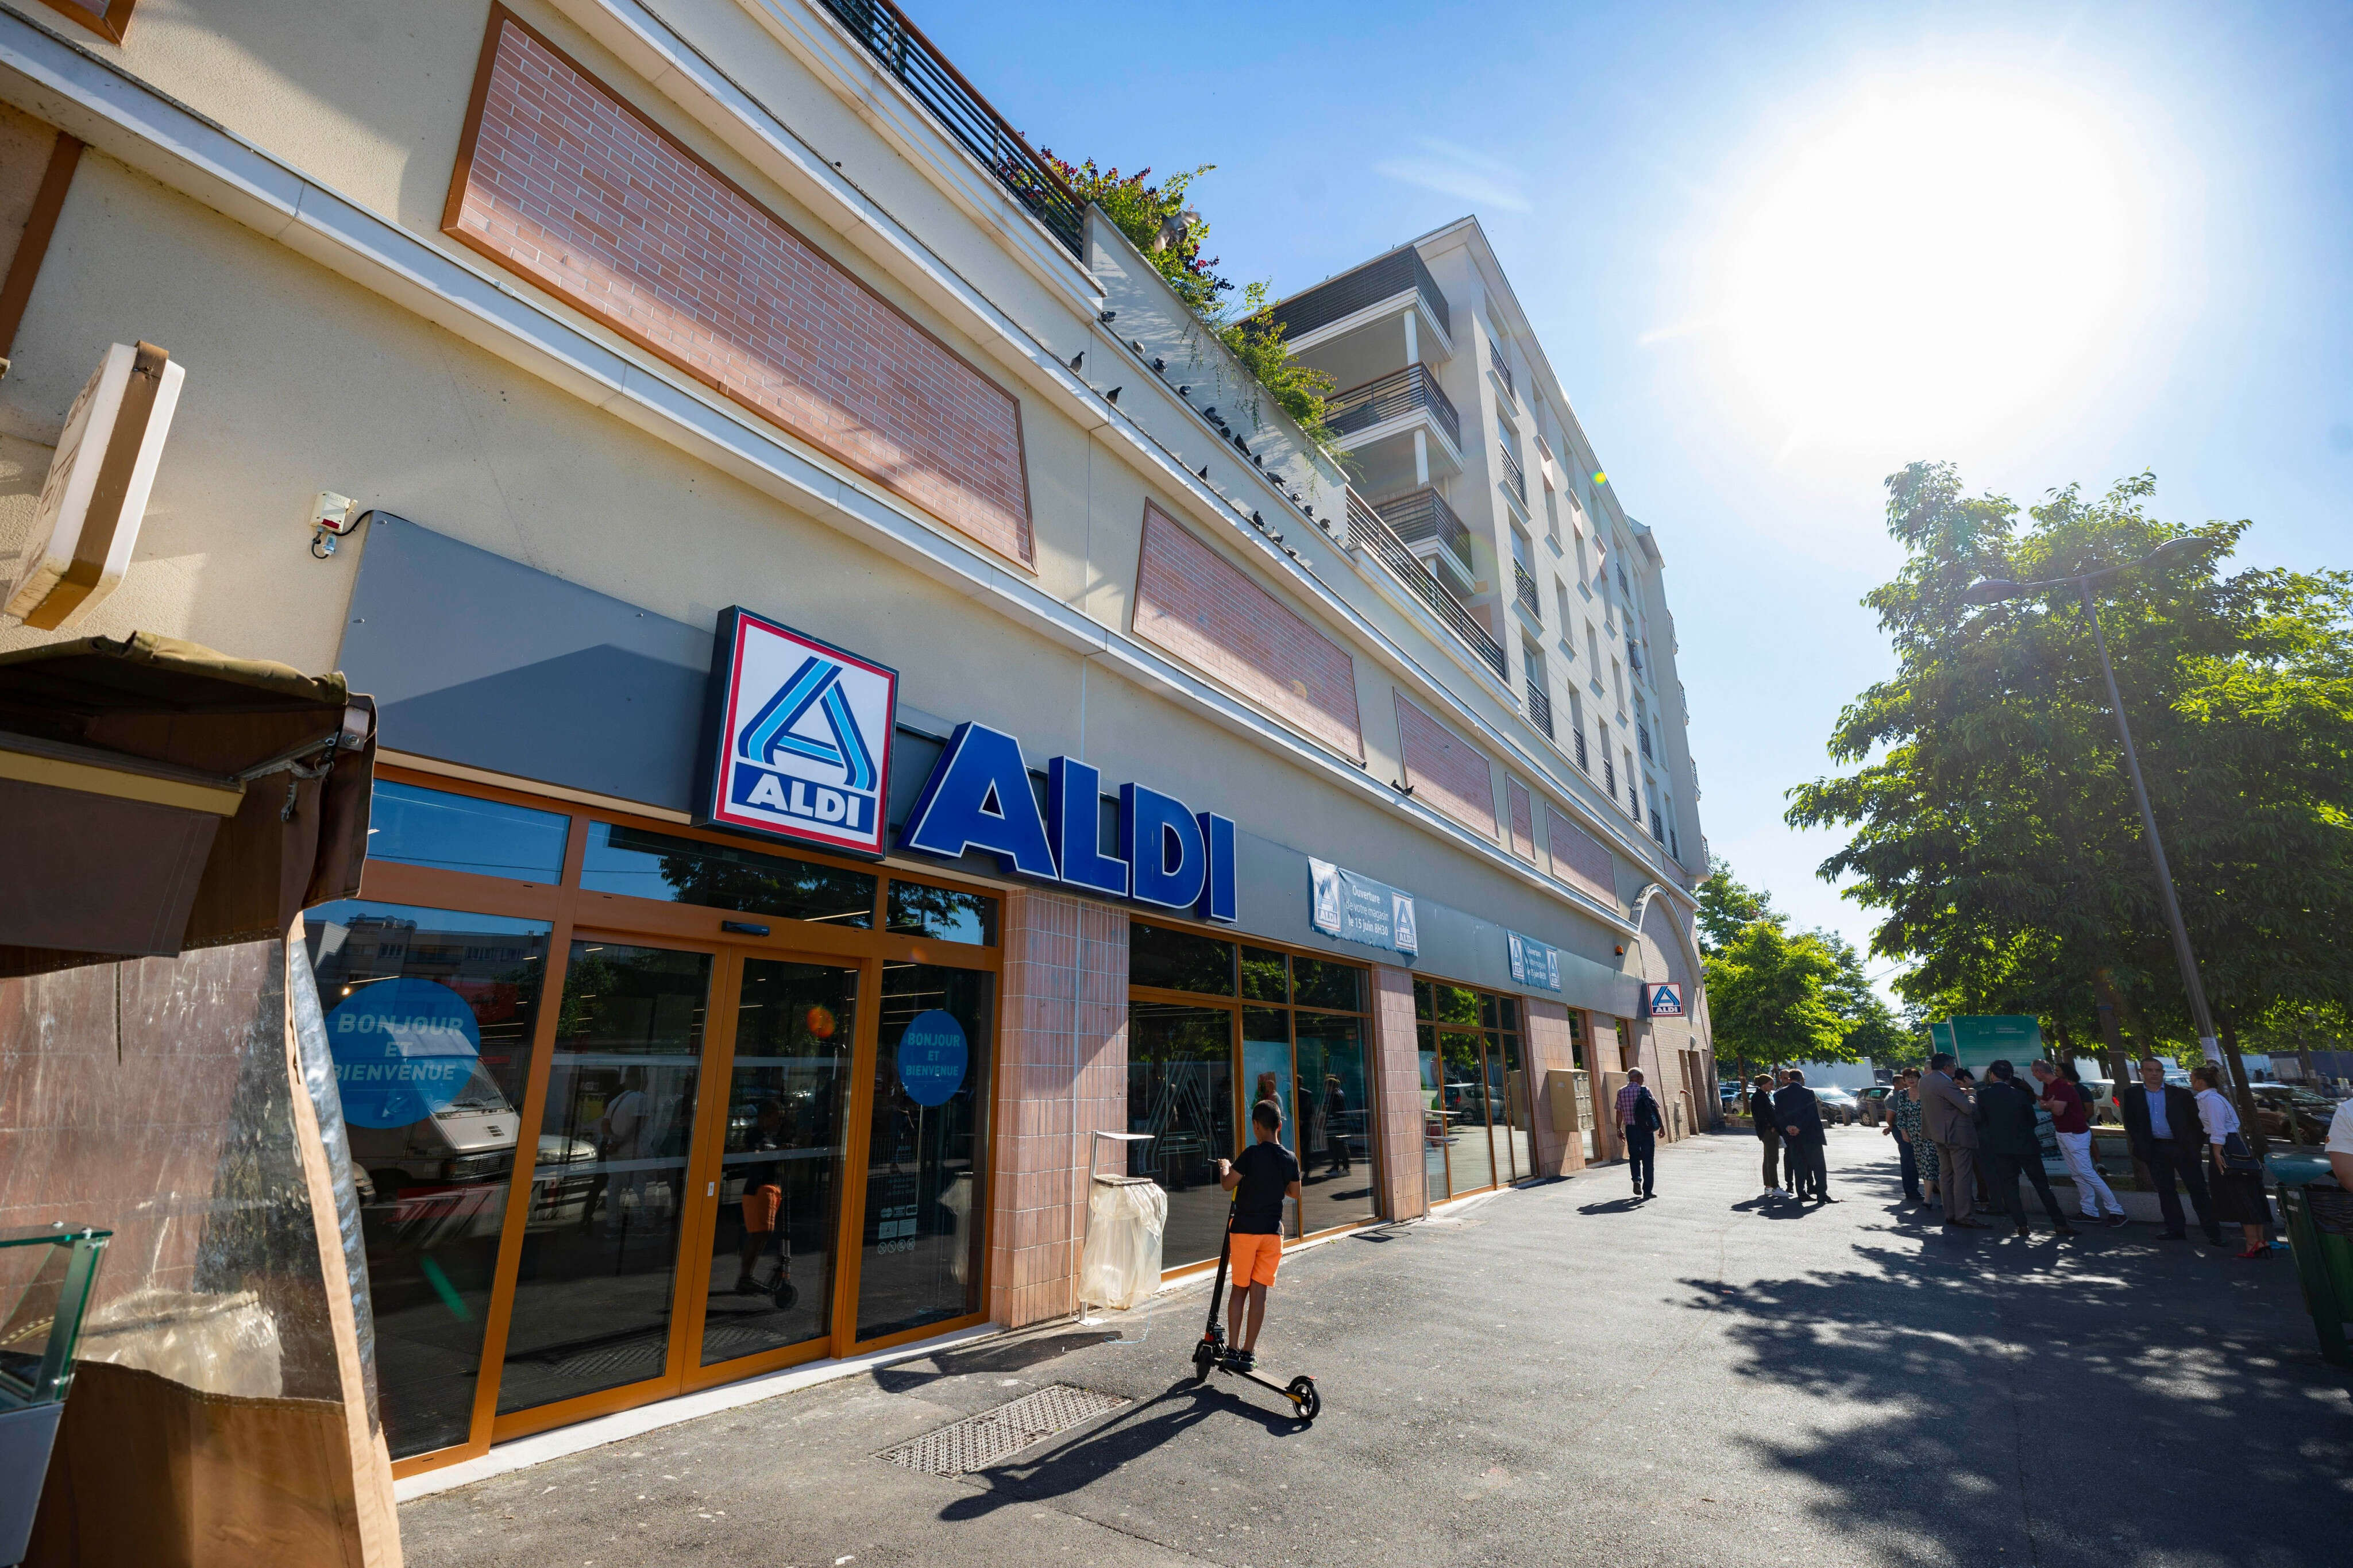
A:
(1305, 1402)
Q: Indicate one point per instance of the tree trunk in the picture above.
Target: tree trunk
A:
(2244, 1095)
(2103, 990)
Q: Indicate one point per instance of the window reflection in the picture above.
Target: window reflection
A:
(1264, 976)
(646, 864)
(1168, 960)
(434, 1169)
(944, 914)
(416, 826)
(1181, 1089)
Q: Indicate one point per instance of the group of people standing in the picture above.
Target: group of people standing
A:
(1788, 1122)
(1964, 1144)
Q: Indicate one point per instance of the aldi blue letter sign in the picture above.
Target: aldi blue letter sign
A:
(796, 737)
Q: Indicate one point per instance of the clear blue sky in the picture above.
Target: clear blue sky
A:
(1775, 252)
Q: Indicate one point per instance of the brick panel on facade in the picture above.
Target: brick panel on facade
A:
(1065, 992)
(1578, 859)
(1396, 1084)
(1446, 771)
(1552, 1049)
(562, 183)
(1207, 611)
(1524, 827)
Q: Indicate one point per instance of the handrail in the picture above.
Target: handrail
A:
(1382, 278)
(901, 49)
(1424, 514)
(1503, 370)
(1513, 473)
(1525, 583)
(1540, 707)
(1366, 531)
(1387, 396)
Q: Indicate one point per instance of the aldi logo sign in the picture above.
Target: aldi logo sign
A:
(1663, 999)
(796, 737)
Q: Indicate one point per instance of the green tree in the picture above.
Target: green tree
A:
(1990, 818)
(1726, 905)
(1873, 1032)
(1768, 996)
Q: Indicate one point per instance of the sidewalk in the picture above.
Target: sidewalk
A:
(1556, 1376)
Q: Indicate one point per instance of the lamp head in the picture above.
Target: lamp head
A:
(1989, 591)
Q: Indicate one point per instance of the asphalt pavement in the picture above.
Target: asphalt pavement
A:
(1555, 1375)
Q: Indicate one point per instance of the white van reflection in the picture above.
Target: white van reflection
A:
(445, 1178)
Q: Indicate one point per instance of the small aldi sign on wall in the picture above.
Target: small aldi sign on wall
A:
(1663, 999)
(796, 737)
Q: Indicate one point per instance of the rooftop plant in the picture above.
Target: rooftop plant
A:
(1171, 236)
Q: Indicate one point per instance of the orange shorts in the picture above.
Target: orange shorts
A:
(761, 1205)
(1255, 1259)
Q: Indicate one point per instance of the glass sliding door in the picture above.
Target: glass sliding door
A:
(1470, 1156)
(1181, 1089)
(779, 1181)
(1335, 1182)
(596, 1278)
(921, 1249)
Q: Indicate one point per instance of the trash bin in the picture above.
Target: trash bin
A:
(47, 1272)
(2319, 1215)
(1121, 1264)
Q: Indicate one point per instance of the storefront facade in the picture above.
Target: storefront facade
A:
(700, 1017)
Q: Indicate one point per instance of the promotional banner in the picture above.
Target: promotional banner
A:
(1357, 909)
(1533, 962)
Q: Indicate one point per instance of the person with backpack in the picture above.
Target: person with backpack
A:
(1639, 1122)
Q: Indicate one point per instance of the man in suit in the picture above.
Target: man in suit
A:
(1949, 1120)
(2162, 1126)
(2008, 1143)
(1768, 1129)
(1801, 1116)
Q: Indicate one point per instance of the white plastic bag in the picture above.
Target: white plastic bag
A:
(1122, 1263)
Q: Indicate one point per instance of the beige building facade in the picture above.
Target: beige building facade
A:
(1172, 768)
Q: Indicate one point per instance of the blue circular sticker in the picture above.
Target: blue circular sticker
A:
(403, 1049)
(932, 1057)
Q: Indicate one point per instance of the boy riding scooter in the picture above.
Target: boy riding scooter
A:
(1267, 1174)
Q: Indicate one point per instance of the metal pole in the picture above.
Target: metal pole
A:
(2199, 1012)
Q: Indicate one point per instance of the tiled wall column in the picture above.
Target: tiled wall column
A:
(1397, 1078)
(1608, 1079)
(1550, 1049)
(1065, 1009)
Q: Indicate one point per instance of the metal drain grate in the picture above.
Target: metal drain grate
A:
(979, 1441)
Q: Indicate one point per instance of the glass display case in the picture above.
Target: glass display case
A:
(46, 1275)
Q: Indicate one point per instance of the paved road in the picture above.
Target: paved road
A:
(1559, 1377)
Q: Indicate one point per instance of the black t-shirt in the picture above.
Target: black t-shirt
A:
(1268, 1170)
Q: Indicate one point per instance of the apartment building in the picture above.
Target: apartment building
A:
(872, 695)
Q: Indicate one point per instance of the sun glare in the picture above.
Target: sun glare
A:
(1933, 261)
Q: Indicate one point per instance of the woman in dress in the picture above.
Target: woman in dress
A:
(2237, 1195)
(1918, 1155)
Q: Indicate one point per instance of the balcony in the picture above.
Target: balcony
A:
(1502, 372)
(1430, 527)
(1540, 708)
(1376, 282)
(1634, 655)
(1583, 765)
(900, 48)
(1367, 531)
(1412, 390)
(1515, 479)
(1643, 736)
(1523, 585)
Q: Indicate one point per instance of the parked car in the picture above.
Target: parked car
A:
(2100, 1100)
(2276, 1103)
(1872, 1105)
(1839, 1105)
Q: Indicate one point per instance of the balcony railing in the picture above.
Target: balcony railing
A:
(1642, 734)
(1380, 279)
(1367, 532)
(1634, 655)
(1424, 515)
(1583, 765)
(1540, 706)
(1658, 825)
(1512, 476)
(1385, 398)
(902, 50)
(1524, 583)
(1503, 370)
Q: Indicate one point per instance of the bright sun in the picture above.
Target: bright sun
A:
(1938, 259)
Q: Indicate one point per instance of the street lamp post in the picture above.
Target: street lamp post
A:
(1989, 591)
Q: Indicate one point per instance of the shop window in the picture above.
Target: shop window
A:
(430, 1015)
(943, 914)
(1265, 976)
(1181, 1089)
(639, 864)
(413, 826)
(1335, 1117)
(1319, 982)
(1477, 1108)
(1165, 959)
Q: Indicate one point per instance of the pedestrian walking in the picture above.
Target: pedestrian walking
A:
(1639, 1121)
(1768, 1129)
(2162, 1125)
(1948, 1116)
(2072, 1125)
(2238, 1175)
(2009, 1143)
(1904, 1126)
(1802, 1138)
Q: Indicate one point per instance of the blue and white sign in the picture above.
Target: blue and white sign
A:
(1356, 908)
(932, 1057)
(1533, 962)
(1662, 999)
(403, 1049)
(978, 798)
(796, 737)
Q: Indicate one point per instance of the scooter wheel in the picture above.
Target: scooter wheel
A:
(786, 1294)
(1204, 1358)
(1303, 1397)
